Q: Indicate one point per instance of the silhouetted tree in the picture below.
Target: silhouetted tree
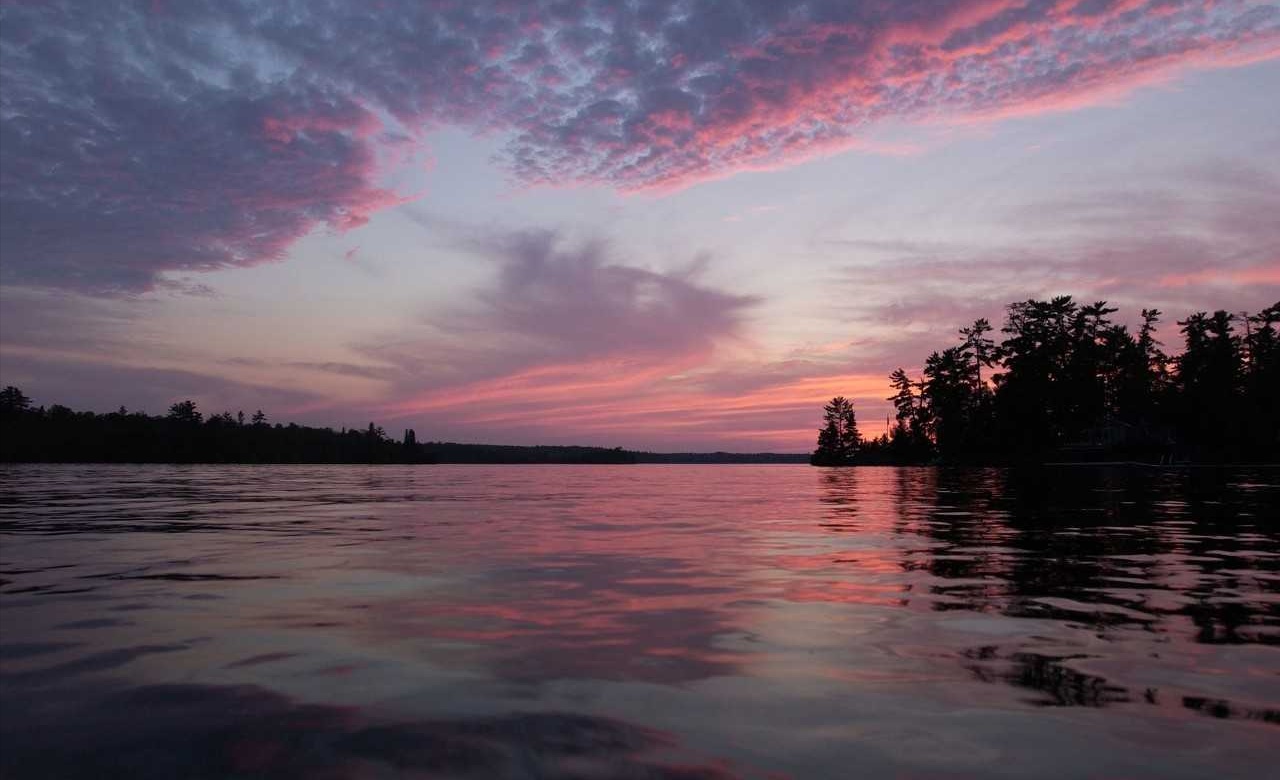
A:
(1031, 399)
(60, 434)
(908, 403)
(13, 401)
(950, 397)
(1141, 381)
(1067, 380)
(979, 348)
(838, 439)
(1262, 379)
(1090, 370)
(1209, 380)
(909, 438)
(185, 412)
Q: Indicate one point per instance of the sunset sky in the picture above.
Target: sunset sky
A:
(656, 225)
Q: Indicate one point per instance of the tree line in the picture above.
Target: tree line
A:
(1068, 383)
(185, 435)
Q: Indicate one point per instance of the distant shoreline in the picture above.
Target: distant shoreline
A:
(186, 435)
(796, 462)
(781, 459)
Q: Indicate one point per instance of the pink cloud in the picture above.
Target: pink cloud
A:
(156, 155)
(1199, 238)
(811, 86)
(566, 345)
(1265, 274)
(615, 403)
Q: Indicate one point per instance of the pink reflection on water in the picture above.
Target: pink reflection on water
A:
(795, 603)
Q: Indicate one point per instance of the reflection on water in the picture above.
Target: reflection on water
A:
(665, 622)
(202, 731)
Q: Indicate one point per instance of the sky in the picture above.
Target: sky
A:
(668, 225)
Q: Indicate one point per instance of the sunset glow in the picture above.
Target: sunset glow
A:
(658, 225)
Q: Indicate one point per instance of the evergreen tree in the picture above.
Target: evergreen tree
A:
(1089, 370)
(950, 397)
(185, 412)
(904, 397)
(13, 401)
(838, 439)
(850, 438)
(979, 348)
(1262, 380)
(1031, 400)
(1142, 375)
(828, 444)
(1209, 374)
(1067, 380)
(60, 434)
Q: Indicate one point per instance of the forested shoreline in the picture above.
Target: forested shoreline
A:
(184, 435)
(1066, 383)
(58, 434)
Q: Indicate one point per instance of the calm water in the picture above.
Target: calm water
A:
(637, 622)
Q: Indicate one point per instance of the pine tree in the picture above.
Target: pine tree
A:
(850, 438)
(979, 348)
(13, 401)
(186, 413)
(838, 439)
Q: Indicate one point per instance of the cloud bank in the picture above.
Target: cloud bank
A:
(142, 138)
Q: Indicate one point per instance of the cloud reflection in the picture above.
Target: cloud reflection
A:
(207, 731)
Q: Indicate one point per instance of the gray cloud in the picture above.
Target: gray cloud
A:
(1190, 240)
(143, 138)
(552, 302)
(105, 386)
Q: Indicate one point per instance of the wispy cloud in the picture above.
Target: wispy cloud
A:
(1196, 238)
(560, 327)
(570, 343)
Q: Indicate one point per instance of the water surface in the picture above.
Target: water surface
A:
(637, 622)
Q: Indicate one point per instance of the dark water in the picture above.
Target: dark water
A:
(637, 622)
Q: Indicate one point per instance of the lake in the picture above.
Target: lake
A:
(676, 622)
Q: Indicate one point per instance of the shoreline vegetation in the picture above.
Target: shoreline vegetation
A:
(1068, 386)
(58, 434)
(1065, 385)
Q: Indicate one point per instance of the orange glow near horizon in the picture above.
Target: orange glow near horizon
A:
(1264, 274)
(575, 398)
